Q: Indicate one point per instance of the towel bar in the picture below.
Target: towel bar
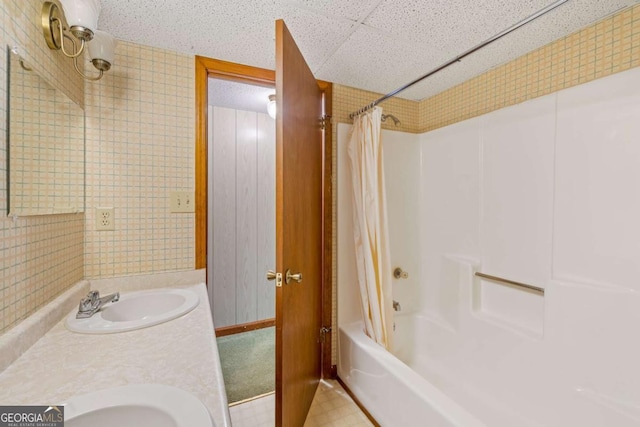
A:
(535, 289)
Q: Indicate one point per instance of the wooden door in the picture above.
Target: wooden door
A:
(299, 155)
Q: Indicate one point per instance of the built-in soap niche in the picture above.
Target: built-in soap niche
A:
(509, 305)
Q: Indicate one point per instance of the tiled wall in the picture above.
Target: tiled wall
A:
(346, 100)
(40, 255)
(140, 133)
(46, 144)
(140, 137)
(607, 47)
(140, 147)
(604, 48)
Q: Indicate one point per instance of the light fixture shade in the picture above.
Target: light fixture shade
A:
(271, 106)
(102, 47)
(82, 13)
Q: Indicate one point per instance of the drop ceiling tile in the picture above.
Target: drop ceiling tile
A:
(400, 41)
(370, 60)
(354, 10)
(567, 19)
(218, 29)
(223, 30)
(317, 36)
(449, 24)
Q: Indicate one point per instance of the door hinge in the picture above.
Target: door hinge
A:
(324, 331)
(325, 120)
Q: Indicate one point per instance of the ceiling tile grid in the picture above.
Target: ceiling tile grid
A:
(449, 24)
(373, 45)
(367, 61)
(354, 10)
(567, 19)
(317, 36)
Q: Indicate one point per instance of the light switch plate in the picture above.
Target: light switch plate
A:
(182, 202)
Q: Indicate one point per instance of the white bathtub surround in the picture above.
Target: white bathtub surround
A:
(180, 353)
(544, 193)
(402, 171)
(371, 237)
(393, 393)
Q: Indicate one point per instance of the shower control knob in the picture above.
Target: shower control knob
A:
(398, 273)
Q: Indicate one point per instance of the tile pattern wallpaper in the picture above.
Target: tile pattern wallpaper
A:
(347, 100)
(46, 139)
(41, 256)
(604, 48)
(140, 147)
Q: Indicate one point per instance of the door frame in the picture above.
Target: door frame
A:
(209, 67)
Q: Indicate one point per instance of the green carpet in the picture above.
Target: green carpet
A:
(248, 362)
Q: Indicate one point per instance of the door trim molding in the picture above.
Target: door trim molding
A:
(209, 67)
(327, 232)
(245, 327)
(205, 68)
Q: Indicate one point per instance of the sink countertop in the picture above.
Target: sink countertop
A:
(182, 353)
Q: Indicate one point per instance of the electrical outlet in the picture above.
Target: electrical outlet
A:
(105, 219)
(182, 202)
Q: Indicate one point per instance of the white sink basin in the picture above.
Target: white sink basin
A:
(140, 405)
(136, 310)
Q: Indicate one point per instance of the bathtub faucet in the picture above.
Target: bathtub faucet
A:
(396, 306)
(90, 304)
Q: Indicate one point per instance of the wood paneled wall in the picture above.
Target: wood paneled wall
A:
(241, 237)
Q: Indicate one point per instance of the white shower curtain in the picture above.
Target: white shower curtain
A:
(370, 226)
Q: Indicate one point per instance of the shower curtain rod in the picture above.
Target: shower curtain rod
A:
(461, 56)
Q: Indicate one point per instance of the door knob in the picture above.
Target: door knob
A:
(271, 275)
(289, 277)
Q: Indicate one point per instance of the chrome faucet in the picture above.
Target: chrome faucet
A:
(90, 304)
(396, 306)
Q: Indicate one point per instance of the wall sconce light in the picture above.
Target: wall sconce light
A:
(78, 21)
(102, 51)
(271, 106)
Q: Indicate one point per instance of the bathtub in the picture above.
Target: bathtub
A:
(392, 392)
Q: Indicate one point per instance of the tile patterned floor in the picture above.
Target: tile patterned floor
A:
(331, 407)
(255, 413)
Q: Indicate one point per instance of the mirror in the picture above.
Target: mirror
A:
(45, 145)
